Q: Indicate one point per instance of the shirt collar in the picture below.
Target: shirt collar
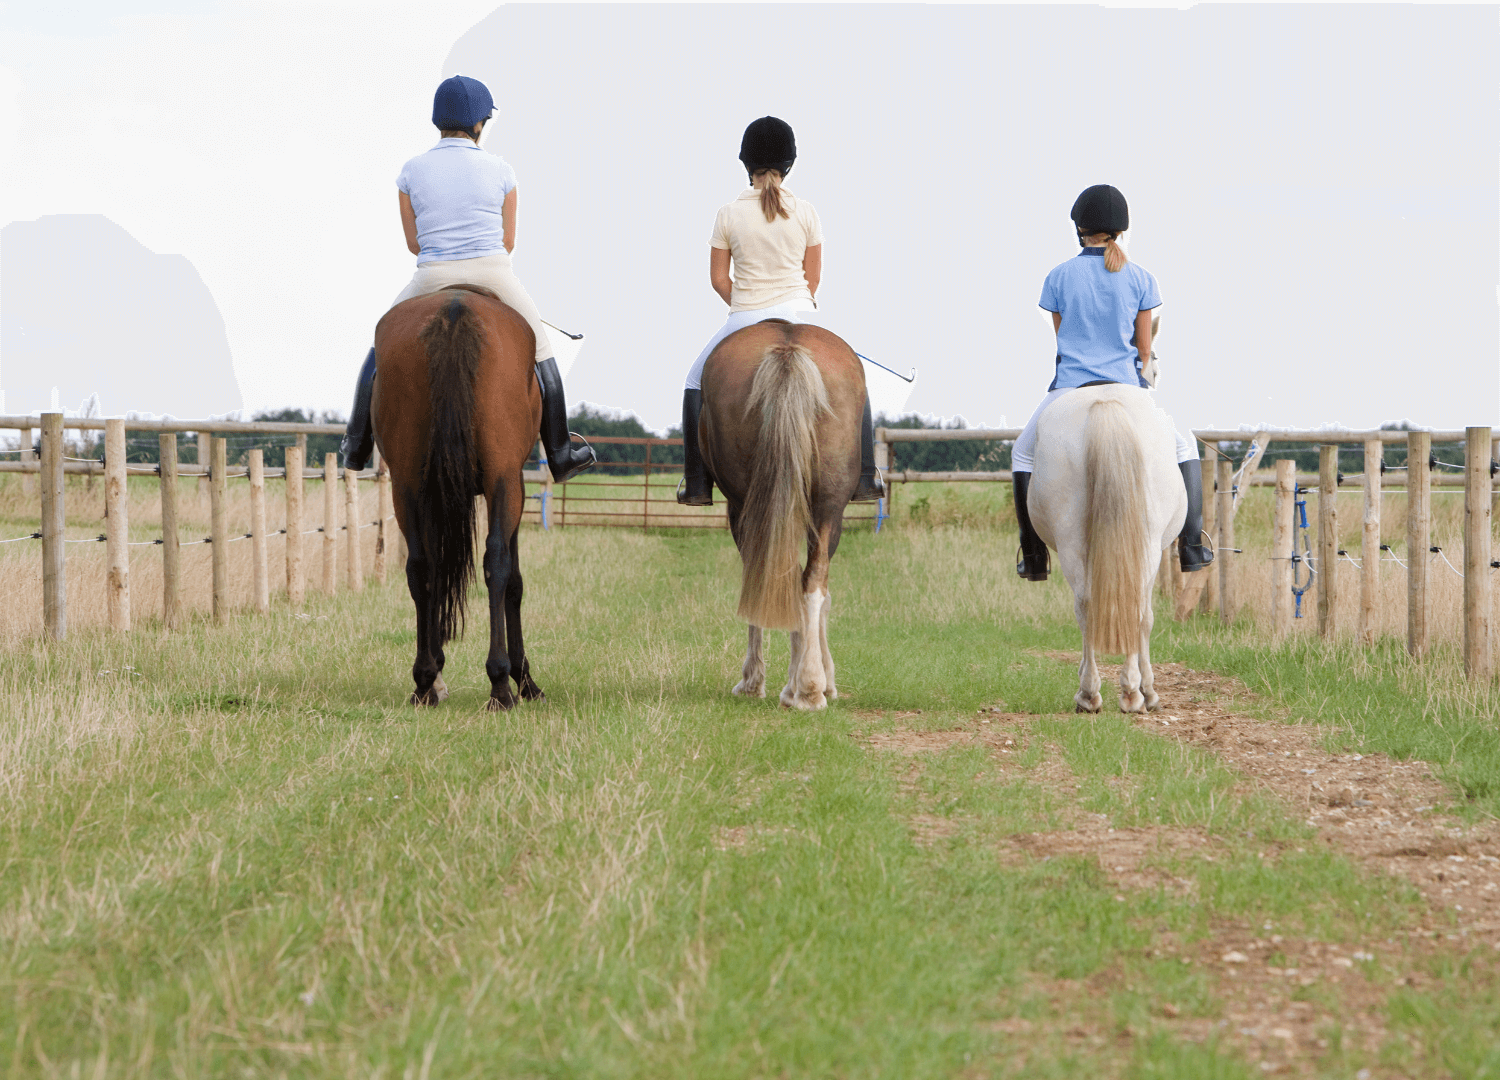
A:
(1096, 251)
(457, 140)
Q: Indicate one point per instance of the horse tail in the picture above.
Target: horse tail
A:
(1116, 529)
(445, 498)
(777, 515)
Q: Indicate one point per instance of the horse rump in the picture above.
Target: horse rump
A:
(1117, 533)
(445, 497)
(776, 516)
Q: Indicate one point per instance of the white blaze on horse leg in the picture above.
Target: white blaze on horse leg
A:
(753, 682)
(805, 682)
(832, 690)
(440, 688)
(1087, 699)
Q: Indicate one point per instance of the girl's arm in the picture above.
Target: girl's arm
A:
(718, 271)
(508, 220)
(409, 224)
(1143, 335)
(1056, 321)
(812, 267)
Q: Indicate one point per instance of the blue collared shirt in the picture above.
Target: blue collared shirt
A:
(457, 191)
(1098, 312)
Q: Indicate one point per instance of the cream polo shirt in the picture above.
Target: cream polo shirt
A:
(767, 254)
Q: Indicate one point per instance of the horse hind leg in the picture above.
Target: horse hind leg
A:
(1131, 698)
(427, 668)
(1088, 699)
(1148, 674)
(832, 690)
(497, 573)
(520, 667)
(807, 681)
(753, 675)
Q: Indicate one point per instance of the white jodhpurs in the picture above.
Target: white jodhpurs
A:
(494, 273)
(794, 312)
(1020, 454)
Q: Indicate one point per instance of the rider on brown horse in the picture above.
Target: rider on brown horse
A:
(458, 209)
(776, 244)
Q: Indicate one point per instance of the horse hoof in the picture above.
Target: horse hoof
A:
(440, 689)
(530, 691)
(425, 701)
(504, 704)
(833, 693)
(1132, 703)
(810, 703)
(1088, 705)
(744, 689)
(1153, 703)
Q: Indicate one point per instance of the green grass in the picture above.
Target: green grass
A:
(236, 851)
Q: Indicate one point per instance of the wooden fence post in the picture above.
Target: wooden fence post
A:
(383, 513)
(1369, 571)
(261, 579)
(354, 568)
(1418, 538)
(1283, 546)
(171, 553)
(54, 521)
(330, 522)
(1225, 499)
(1328, 540)
(218, 490)
(205, 458)
(116, 526)
(1209, 465)
(296, 580)
(1478, 650)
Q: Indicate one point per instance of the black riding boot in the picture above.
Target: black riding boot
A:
(1034, 559)
(697, 489)
(359, 440)
(563, 458)
(1195, 554)
(871, 487)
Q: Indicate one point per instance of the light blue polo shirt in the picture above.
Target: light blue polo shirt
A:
(1098, 312)
(457, 191)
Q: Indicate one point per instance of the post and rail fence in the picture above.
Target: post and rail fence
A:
(633, 502)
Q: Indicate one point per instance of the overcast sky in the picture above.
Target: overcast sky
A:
(1315, 188)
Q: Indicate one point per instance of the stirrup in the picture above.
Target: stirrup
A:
(873, 491)
(573, 467)
(1194, 557)
(1026, 570)
(685, 499)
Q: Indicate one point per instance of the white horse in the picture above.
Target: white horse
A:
(1107, 496)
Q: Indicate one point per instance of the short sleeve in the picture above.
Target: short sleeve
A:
(1050, 301)
(507, 177)
(720, 237)
(811, 223)
(1150, 294)
(403, 181)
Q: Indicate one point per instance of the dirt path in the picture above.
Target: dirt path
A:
(1282, 996)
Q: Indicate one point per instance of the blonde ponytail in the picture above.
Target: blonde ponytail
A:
(769, 182)
(1114, 257)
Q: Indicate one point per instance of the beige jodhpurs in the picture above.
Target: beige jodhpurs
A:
(493, 272)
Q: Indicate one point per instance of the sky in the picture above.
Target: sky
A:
(1316, 188)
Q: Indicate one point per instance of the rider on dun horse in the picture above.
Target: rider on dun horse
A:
(458, 210)
(775, 242)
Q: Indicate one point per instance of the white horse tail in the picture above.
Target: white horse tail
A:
(776, 515)
(1117, 540)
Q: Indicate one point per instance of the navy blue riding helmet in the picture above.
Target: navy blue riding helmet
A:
(460, 103)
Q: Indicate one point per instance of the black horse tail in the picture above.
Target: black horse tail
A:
(445, 499)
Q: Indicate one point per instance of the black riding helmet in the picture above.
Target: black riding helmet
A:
(1101, 209)
(768, 144)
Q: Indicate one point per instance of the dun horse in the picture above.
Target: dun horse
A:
(1106, 495)
(456, 412)
(780, 427)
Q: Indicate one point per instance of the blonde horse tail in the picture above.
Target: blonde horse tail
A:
(1117, 540)
(776, 516)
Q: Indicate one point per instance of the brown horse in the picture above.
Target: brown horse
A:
(456, 412)
(782, 404)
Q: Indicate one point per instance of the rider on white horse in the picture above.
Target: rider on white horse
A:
(776, 244)
(458, 210)
(1101, 308)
